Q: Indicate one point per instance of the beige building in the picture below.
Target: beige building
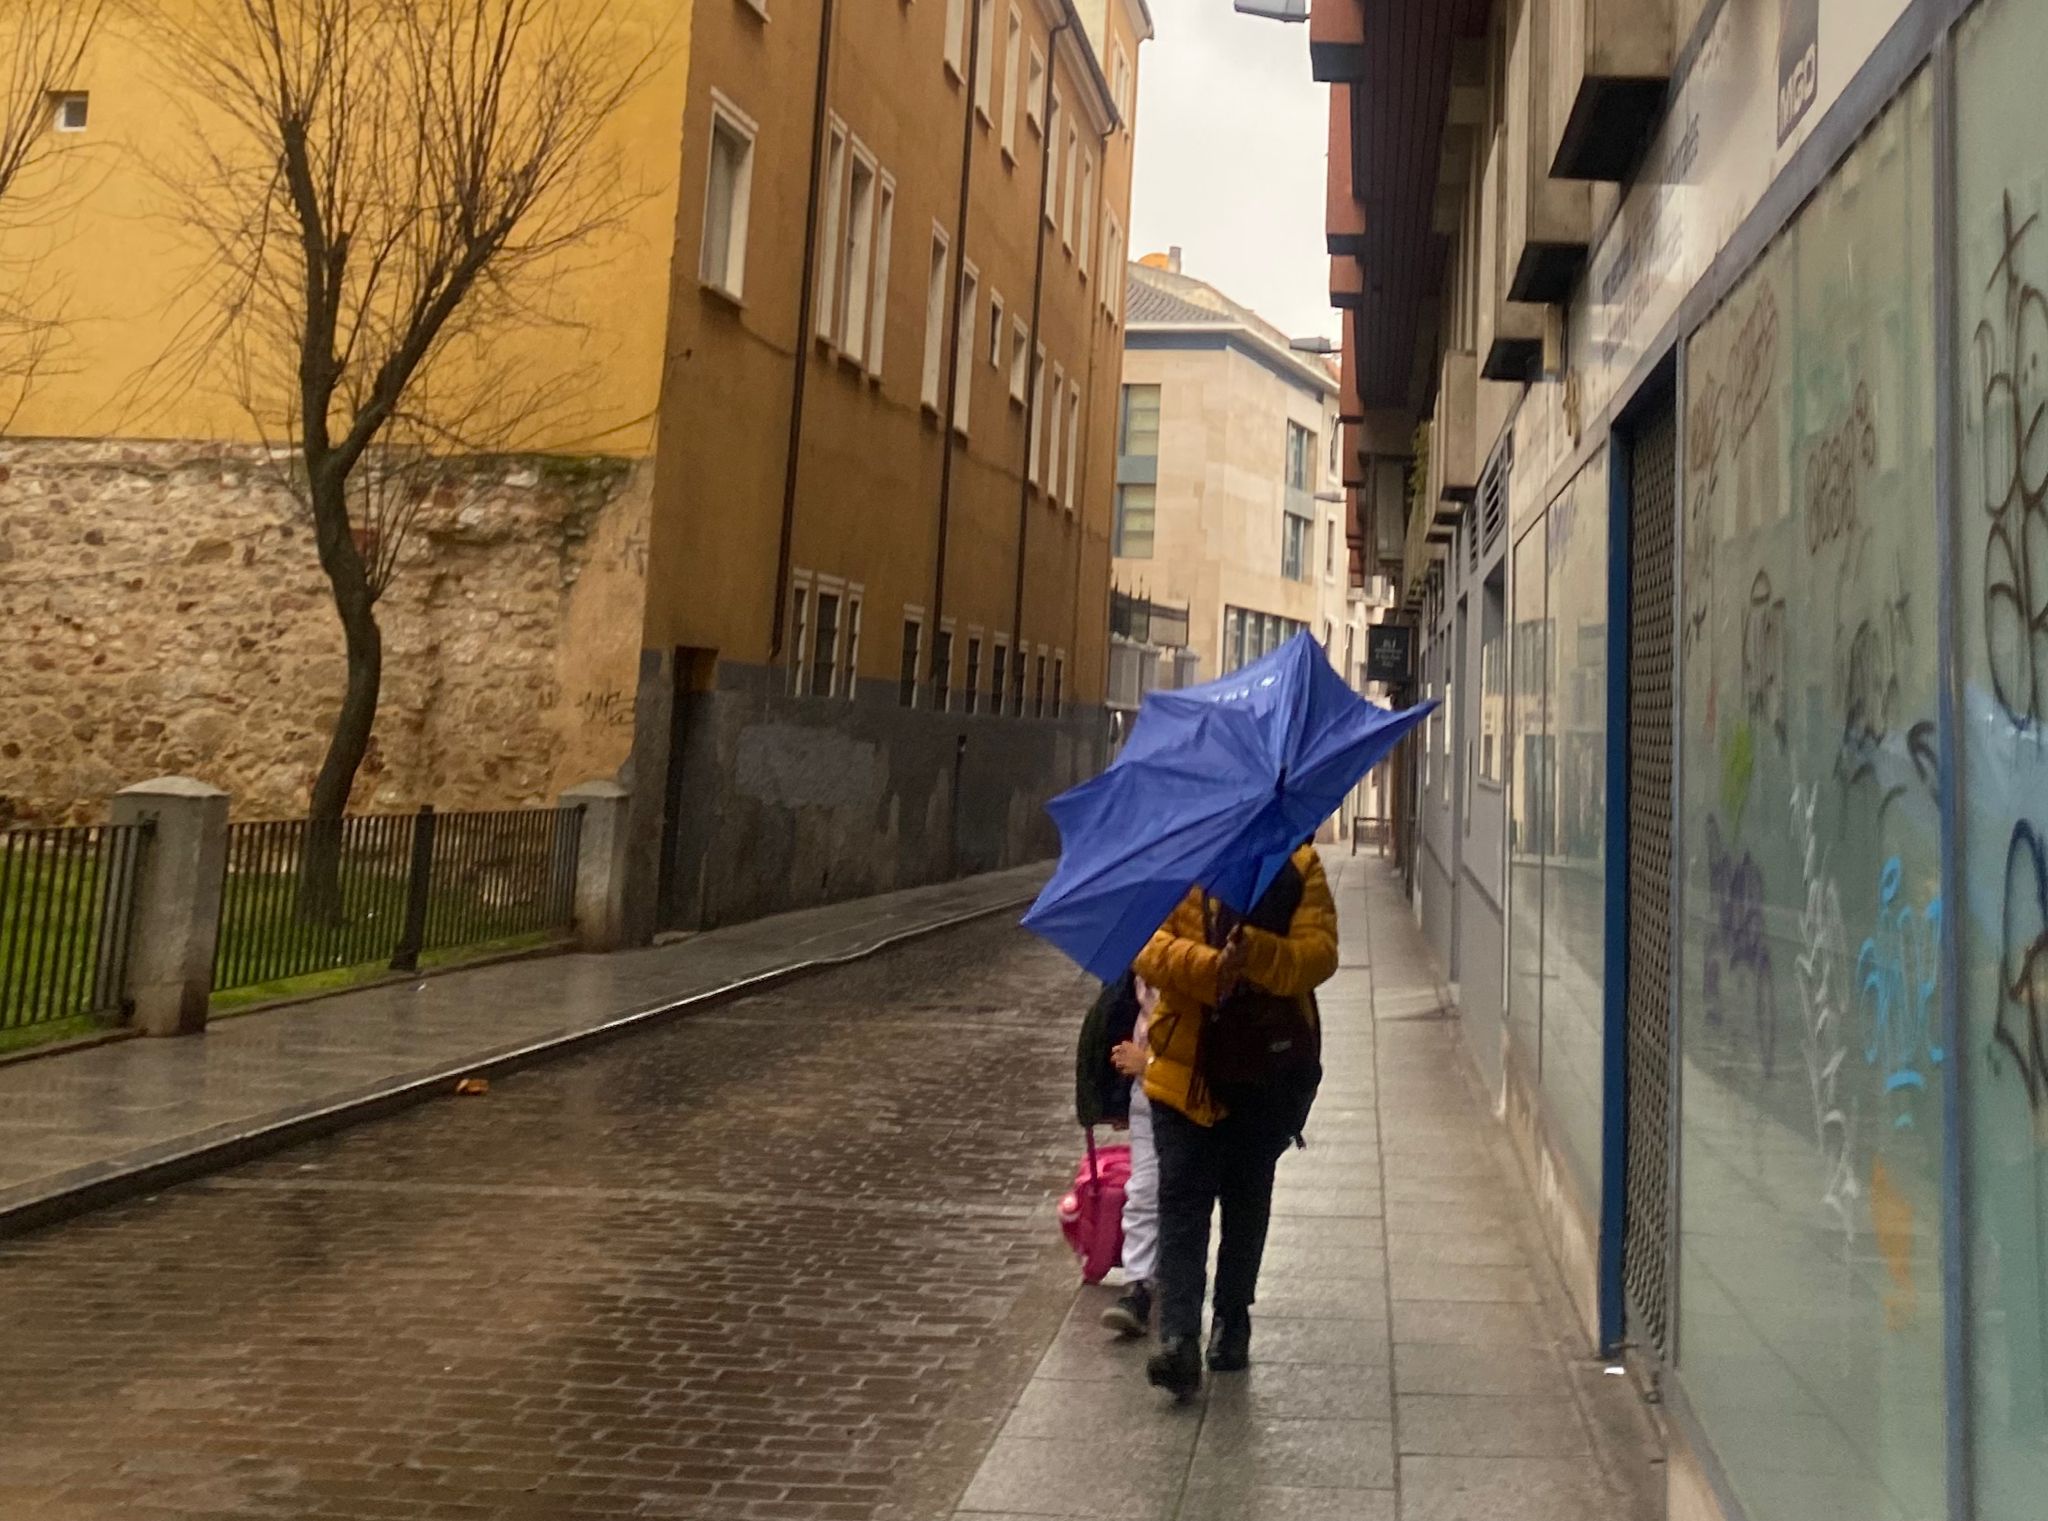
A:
(1229, 503)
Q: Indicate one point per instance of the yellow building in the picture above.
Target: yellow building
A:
(785, 490)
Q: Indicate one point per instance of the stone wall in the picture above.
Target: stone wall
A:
(165, 613)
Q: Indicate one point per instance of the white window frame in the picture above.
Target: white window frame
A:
(1113, 284)
(1012, 83)
(1020, 359)
(956, 39)
(1067, 187)
(855, 595)
(963, 358)
(799, 633)
(998, 330)
(731, 282)
(1086, 231)
(939, 282)
(1037, 413)
(999, 686)
(825, 279)
(1037, 689)
(1058, 690)
(828, 586)
(1034, 92)
(949, 631)
(1052, 448)
(912, 616)
(857, 278)
(974, 669)
(60, 107)
(985, 61)
(1126, 104)
(1052, 146)
(885, 236)
(1072, 497)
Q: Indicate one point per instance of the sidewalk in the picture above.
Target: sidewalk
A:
(114, 1119)
(1414, 1357)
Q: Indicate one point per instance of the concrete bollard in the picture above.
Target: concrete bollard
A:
(601, 865)
(176, 913)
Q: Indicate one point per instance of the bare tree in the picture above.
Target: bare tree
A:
(401, 184)
(42, 44)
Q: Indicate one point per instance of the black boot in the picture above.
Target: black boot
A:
(1177, 1368)
(1131, 1315)
(1230, 1342)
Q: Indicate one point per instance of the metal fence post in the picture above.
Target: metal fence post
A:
(418, 887)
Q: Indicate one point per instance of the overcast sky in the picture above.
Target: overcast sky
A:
(1233, 135)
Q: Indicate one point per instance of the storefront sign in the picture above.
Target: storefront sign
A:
(1389, 653)
(1798, 62)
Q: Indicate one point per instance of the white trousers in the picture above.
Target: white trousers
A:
(1141, 1194)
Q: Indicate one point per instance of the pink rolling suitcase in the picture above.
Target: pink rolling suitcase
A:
(1092, 1214)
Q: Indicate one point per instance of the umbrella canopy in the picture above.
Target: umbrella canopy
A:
(1217, 786)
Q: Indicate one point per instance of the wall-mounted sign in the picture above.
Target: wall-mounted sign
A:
(1798, 62)
(1389, 653)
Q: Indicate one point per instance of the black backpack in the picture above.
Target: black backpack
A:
(1260, 1051)
(1101, 1093)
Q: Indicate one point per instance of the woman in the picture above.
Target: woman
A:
(1220, 1138)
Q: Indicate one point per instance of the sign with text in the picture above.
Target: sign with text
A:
(1389, 653)
(1798, 62)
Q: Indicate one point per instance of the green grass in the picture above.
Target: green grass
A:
(49, 1031)
(341, 979)
(49, 928)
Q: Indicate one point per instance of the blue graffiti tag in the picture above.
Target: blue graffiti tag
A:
(1899, 972)
(1737, 942)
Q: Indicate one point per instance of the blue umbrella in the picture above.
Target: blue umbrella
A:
(1217, 786)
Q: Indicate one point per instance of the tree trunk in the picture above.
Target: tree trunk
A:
(320, 898)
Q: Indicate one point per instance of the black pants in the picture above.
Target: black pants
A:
(1232, 1162)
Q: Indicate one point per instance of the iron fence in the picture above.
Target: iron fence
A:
(303, 896)
(65, 909)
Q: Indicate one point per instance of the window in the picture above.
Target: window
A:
(998, 673)
(973, 673)
(1120, 85)
(860, 251)
(1011, 53)
(1113, 272)
(1294, 547)
(827, 282)
(1037, 419)
(799, 637)
(956, 37)
(984, 57)
(1086, 233)
(1301, 448)
(1334, 437)
(878, 316)
(1140, 423)
(1059, 684)
(1017, 679)
(935, 320)
(1052, 434)
(1068, 189)
(997, 330)
(1020, 358)
(72, 112)
(1136, 514)
(728, 187)
(1493, 679)
(852, 646)
(1052, 146)
(942, 670)
(1330, 550)
(1247, 635)
(1034, 91)
(825, 647)
(1038, 687)
(1073, 446)
(963, 360)
(913, 639)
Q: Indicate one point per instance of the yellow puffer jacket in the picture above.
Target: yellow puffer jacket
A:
(1182, 964)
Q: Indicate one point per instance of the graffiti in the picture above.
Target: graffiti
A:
(1832, 471)
(2012, 349)
(1737, 943)
(1891, 1218)
(608, 709)
(2020, 1033)
(1899, 973)
(1763, 657)
(1738, 767)
(1755, 364)
(1871, 662)
(1821, 969)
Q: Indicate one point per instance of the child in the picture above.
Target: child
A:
(1131, 1315)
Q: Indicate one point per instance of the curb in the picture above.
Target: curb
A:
(101, 1184)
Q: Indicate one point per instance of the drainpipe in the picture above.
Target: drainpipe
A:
(1031, 378)
(805, 294)
(1080, 517)
(949, 403)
